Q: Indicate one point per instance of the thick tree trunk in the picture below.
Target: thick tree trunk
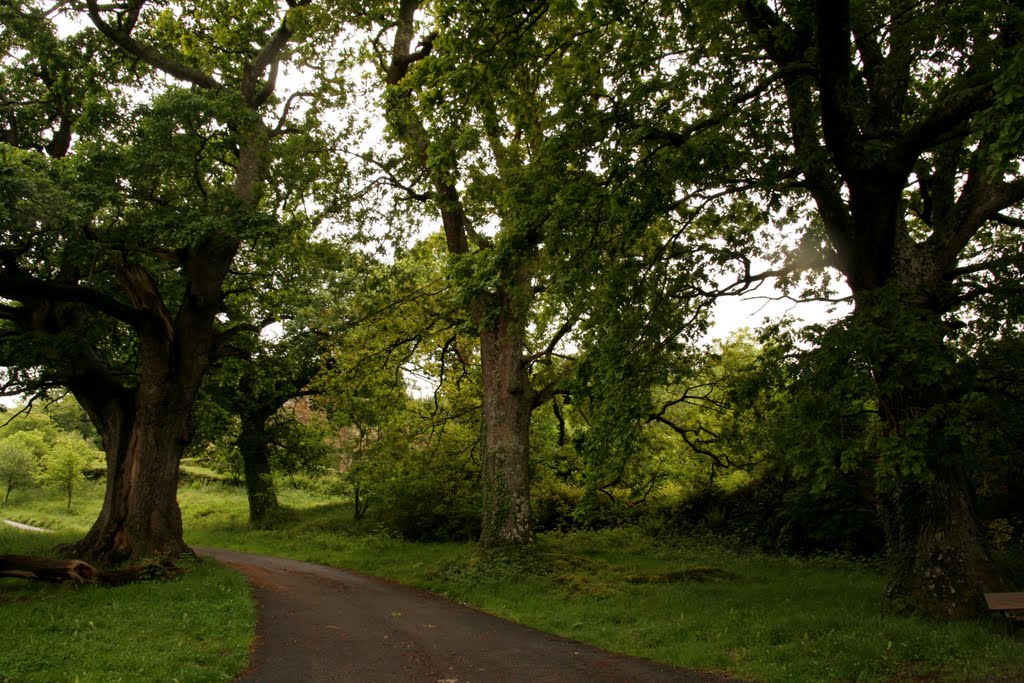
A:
(140, 516)
(145, 432)
(259, 480)
(507, 405)
(939, 564)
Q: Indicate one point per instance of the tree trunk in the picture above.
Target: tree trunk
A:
(145, 431)
(140, 516)
(259, 480)
(507, 405)
(939, 563)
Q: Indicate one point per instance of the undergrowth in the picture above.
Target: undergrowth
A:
(687, 601)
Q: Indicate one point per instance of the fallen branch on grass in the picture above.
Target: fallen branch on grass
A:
(76, 571)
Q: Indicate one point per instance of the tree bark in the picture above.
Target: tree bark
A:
(259, 481)
(140, 516)
(938, 561)
(507, 406)
(145, 429)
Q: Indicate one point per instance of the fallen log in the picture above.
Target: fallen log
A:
(79, 572)
(46, 569)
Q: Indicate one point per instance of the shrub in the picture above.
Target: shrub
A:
(418, 493)
(19, 460)
(782, 514)
(64, 463)
(554, 504)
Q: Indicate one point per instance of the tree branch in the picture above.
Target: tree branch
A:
(19, 286)
(123, 39)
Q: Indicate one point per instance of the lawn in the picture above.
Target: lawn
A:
(196, 627)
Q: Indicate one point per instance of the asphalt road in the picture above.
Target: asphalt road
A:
(317, 623)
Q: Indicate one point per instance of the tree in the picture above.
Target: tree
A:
(68, 416)
(253, 390)
(117, 248)
(313, 280)
(64, 461)
(896, 121)
(498, 114)
(19, 460)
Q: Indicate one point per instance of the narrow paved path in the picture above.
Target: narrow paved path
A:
(317, 623)
(26, 527)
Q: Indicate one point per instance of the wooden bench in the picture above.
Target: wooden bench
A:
(1010, 604)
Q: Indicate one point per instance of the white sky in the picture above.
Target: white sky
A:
(752, 311)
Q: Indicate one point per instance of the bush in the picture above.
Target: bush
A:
(418, 493)
(422, 506)
(781, 514)
(19, 461)
(64, 463)
(554, 504)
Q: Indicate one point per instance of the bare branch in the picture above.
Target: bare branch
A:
(1011, 221)
(280, 127)
(693, 440)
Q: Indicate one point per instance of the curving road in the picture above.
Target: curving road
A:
(317, 623)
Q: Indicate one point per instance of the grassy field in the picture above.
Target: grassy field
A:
(196, 627)
(690, 602)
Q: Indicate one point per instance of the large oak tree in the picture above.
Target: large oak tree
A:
(895, 120)
(118, 244)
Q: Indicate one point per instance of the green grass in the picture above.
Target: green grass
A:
(48, 508)
(690, 603)
(196, 627)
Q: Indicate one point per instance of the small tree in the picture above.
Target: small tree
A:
(19, 459)
(63, 464)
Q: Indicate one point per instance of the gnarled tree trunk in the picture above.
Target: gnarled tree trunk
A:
(145, 429)
(140, 515)
(936, 549)
(939, 563)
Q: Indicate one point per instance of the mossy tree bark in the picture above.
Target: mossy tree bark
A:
(254, 444)
(507, 406)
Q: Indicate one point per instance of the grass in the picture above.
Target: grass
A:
(196, 627)
(691, 603)
(47, 507)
